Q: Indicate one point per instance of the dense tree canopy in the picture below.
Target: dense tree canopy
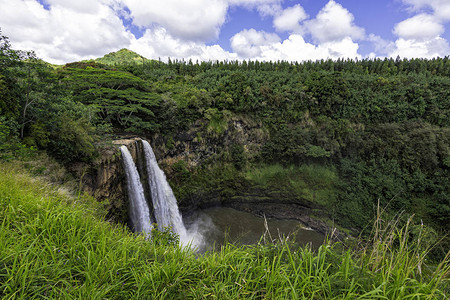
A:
(384, 124)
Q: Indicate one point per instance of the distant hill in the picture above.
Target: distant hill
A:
(122, 56)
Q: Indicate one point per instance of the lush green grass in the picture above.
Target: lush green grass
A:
(53, 246)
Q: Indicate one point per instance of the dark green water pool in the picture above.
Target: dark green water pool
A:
(220, 224)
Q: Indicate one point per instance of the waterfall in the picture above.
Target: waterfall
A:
(164, 202)
(139, 211)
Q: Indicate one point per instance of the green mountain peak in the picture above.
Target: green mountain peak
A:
(122, 56)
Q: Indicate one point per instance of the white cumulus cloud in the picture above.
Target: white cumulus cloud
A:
(158, 43)
(425, 49)
(420, 35)
(333, 23)
(419, 27)
(296, 49)
(382, 47)
(63, 33)
(191, 20)
(290, 18)
(332, 29)
(441, 8)
(268, 46)
(250, 43)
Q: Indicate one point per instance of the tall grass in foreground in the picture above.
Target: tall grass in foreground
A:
(51, 248)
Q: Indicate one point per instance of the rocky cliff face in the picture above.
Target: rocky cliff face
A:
(198, 144)
(105, 178)
(197, 147)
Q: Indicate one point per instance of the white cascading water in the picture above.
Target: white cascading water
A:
(164, 201)
(139, 211)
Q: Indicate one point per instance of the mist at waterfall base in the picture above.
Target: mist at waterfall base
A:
(202, 230)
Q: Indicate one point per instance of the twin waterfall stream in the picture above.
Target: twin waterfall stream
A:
(164, 202)
(205, 229)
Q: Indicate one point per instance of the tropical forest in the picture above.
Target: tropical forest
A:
(356, 151)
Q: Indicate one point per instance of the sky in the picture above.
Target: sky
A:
(62, 31)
